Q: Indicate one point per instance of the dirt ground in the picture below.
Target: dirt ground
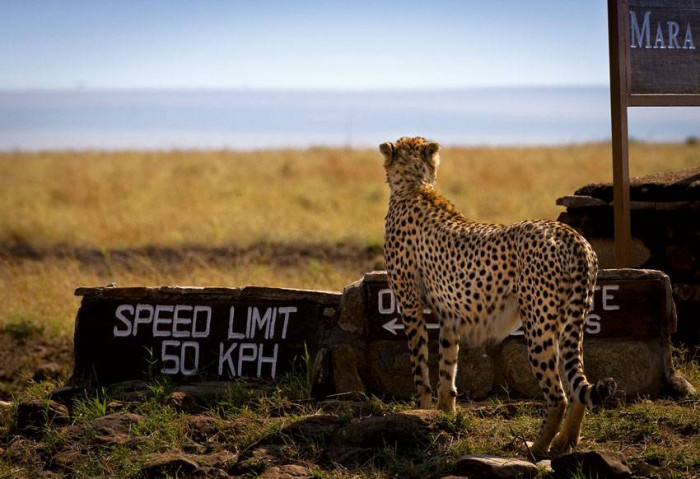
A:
(23, 360)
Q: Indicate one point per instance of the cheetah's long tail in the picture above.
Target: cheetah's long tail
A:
(576, 308)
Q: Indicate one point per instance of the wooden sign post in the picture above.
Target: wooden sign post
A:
(654, 61)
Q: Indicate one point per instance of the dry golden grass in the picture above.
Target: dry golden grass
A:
(135, 199)
(127, 199)
(41, 292)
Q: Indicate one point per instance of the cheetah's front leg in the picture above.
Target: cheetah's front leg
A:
(418, 346)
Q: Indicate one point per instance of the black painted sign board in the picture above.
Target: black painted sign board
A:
(626, 304)
(197, 334)
(664, 52)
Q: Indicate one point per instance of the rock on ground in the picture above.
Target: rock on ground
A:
(33, 416)
(169, 464)
(290, 471)
(255, 462)
(400, 429)
(202, 427)
(357, 441)
(483, 466)
(600, 464)
(183, 402)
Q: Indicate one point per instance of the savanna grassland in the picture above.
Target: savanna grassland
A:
(298, 218)
(308, 219)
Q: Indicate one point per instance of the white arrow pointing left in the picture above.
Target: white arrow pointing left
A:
(394, 325)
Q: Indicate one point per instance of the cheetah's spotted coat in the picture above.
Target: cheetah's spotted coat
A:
(481, 280)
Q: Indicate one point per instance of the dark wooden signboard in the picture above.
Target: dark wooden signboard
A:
(626, 303)
(664, 52)
(195, 333)
(654, 61)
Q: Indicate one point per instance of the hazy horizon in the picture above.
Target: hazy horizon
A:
(124, 74)
(302, 89)
(250, 119)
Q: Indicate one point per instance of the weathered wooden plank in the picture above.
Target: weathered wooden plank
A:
(669, 186)
(639, 99)
(671, 4)
(575, 201)
(183, 291)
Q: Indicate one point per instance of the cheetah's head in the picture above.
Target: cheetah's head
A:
(410, 162)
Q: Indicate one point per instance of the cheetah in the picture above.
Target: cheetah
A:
(481, 280)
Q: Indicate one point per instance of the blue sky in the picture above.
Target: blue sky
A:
(353, 45)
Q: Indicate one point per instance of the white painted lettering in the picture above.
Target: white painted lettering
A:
(688, 43)
(181, 319)
(119, 314)
(659, 43)
(160, 319)
(387, 302)
(250, 356)
(206, 310)
(286, 311)
(272, 325)
(143, 315)
(194, 346)
(271, 360)
(609, 297)
(640, 38)
(231, 333)
(226, 357)
(263, 323)
(173, 359)
(673, 30)
(593, 324)
(247, 323)
(177, 363)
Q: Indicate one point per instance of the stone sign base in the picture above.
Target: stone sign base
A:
(628, 338)
(353, 342)
(640, 368)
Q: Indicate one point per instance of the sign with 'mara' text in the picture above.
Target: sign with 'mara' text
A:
(196, 334)
(663, 42)
(654, 61)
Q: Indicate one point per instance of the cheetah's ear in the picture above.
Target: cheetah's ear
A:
(431, 151)
(387, 150)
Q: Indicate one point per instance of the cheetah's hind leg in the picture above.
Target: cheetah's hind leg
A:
(581, 392)
(544, 360)
(449, 350)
